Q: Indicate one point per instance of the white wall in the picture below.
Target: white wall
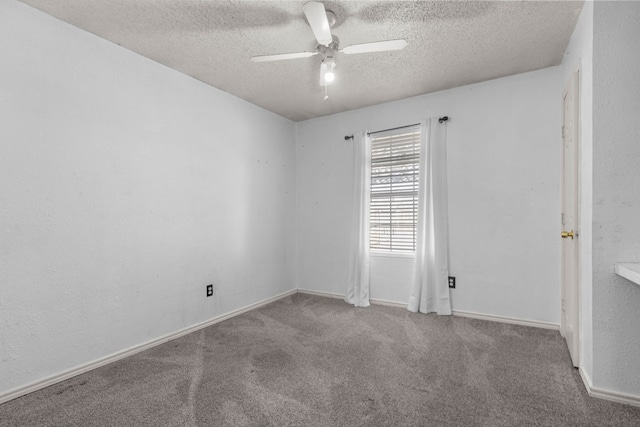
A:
(579, 56)
(504, 168)
(616, 195)
(125, 188)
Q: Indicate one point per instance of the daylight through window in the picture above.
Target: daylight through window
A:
(395, 160)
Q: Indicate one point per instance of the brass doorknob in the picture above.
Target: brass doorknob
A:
(566, 234)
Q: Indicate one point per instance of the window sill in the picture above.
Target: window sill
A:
(391, 254)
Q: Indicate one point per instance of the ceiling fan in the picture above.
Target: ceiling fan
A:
(321, 20)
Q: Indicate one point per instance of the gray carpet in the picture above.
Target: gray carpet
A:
(313, 361)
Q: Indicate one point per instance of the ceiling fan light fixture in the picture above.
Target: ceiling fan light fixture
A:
(327, 75)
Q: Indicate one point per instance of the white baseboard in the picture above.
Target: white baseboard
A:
(613, 396)
(321, 294)
(505, 319)
(388, 303)
(460, 313)
(46, 382)
(29, 388)
(341, 296)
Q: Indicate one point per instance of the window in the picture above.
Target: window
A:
(395, 160)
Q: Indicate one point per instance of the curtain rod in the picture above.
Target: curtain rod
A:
(399, 127)
(440, 120)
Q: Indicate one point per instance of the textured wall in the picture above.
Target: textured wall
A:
(580, 56)
(616, 194)
(125, 188)
(504, 168)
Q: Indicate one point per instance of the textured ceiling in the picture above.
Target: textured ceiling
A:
(451, 43)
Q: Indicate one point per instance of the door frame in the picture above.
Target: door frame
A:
(575, 79)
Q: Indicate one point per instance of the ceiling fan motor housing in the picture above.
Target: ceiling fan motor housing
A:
(331, 49)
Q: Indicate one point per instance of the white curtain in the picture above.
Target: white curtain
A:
(430, 287)
(358, 283)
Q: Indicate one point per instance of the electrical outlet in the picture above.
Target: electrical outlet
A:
(209, 290)
(452, 282)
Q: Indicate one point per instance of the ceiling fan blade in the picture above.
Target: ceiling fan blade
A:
(282, 56)
(375, 46)
(317, 18)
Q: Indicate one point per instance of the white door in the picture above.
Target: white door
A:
(569, 217)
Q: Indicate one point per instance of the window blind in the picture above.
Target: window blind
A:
(395, 160)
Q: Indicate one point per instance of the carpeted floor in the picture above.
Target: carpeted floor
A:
(313, 361)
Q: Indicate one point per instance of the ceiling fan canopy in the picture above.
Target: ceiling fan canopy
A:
(321, 20)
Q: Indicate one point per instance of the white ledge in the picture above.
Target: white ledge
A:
(629, 270)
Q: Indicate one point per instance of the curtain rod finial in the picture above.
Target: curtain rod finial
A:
(348, 137)
(443, 119)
